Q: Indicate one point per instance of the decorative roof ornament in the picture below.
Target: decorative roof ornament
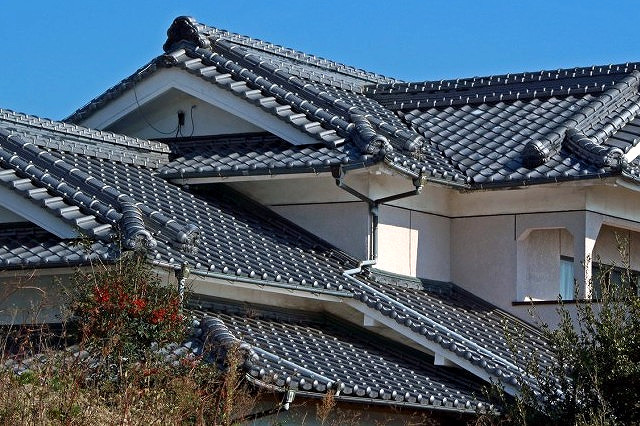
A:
(135, 234)
(184, 30)
(593, 152)
(368, 140)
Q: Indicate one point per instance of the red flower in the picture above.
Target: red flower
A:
(101, 295)
(138, 305)
(158, 315)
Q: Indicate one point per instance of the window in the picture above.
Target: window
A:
(614, 275)
(566, 278)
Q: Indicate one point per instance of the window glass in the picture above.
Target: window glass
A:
(566, 278)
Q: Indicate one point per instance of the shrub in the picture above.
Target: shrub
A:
(124, 309)
(594, 376)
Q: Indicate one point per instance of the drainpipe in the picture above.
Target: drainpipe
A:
(339, 174)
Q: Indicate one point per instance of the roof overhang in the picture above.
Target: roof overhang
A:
(31, 212)
(163, 80)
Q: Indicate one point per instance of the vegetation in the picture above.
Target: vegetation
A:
(594, 378)
(121, 368)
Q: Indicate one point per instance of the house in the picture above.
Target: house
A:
(383, 232)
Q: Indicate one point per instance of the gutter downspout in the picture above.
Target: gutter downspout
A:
(338, 173)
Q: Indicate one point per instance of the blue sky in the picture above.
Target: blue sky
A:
(56, 56)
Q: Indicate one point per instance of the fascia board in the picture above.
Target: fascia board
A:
(243, 290)
(163, 80)
(229, 179)
(17, 204)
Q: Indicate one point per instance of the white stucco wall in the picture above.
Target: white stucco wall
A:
(483, 257)
(414, 243)
(31, 298)
(162, 114)
(344, 225)
(606, 248)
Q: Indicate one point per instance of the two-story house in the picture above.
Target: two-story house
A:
(420, 217)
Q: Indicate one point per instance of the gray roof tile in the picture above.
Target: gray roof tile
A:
(218, 233)
(462, 324)
(314, 354)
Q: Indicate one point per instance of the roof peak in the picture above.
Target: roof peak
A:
(187, 31)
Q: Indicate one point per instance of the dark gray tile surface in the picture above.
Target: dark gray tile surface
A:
(476, 132)
(263, 153)
(26, 245)
(460, 323)
(236, 238)
(314, 354)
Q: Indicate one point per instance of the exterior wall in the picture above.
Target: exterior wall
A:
(414, 243)
(344, 225)
(606, 249)
(162, 114)
(26, 299)
(483, 257)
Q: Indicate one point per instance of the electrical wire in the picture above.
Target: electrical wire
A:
(193, 126)
(139, 109)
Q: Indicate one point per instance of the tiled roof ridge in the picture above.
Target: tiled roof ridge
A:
(133, 216)
(180, 28)
(537, 152)
(116, 90)
(226, 76)
(303, 95)
(505, 79)
(590, 150)
(64, 128)
(509, 87)
(44, 179)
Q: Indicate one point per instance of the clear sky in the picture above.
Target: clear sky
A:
(58, 55)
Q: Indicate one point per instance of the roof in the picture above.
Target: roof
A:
(468, 329)
(316, 353)
(495, 131)
(321, 99)
(218, 232)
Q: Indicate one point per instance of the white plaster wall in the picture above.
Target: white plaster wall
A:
(541, 264)
(30, 299)
(414, 243)
(432, 246)
(303, 190)
(395, 235)
(483, 257)
(162, 113)
(344, 225)
(606, 248)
